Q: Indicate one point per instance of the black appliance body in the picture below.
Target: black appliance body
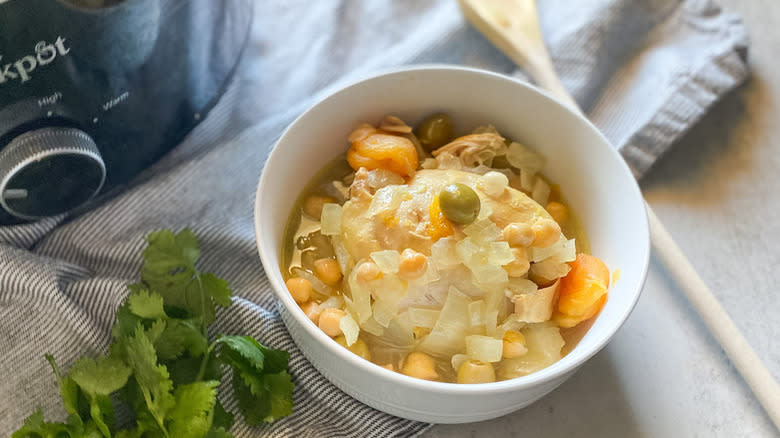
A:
(94, 91)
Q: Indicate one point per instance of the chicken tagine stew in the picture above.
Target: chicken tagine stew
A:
(440, 257)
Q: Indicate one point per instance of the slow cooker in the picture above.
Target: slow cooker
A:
(93, 91)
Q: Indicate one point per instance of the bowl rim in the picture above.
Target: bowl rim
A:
(545, 375)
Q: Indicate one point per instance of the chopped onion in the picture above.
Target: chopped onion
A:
(484, 348)
(512, 322)
(331, 219)
(317, 284)
(379, 178)
(485, 211)
(429, 163)
(541, 191)
(387, 200)
(447, 336)
(361, 297)
(500, 253)
(448, 161)
(387, 260)
(422, 317)
(383, 313)
(342, 255)
(342, 189)
(350, 328)
(491, 319)
(443, 253)
(563, 251)
(477, 313)
(527, 180)
(466, 249)
(520, 286)
(458, 360)
(489, 274)
(483, 231)
(373, 327)
(549, 269)
(334, 302)
(544, 343)
(523, 157)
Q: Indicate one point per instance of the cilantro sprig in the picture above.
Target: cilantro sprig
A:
(161, 364)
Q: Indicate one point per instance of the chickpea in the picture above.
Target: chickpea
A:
(312, 311)
(514, 344)
(421, 366)
(546, 233)
(328, 271)
(359, 347)
(412, 265)
(519, 234)
(329, 321)
(368, 271)
(312, 206)
(300, 289)
(520, 265)
(558, 212)
(474, 371)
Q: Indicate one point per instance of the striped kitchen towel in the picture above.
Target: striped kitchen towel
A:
(644, 70)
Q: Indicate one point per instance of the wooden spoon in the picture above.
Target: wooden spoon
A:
(513, 27)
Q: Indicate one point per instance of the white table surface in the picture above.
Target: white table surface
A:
(718, 193)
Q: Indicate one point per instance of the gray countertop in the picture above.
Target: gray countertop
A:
(663, 374)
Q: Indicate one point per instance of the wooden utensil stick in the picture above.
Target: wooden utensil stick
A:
(513, 27)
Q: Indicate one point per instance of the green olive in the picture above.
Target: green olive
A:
(459, 203)
(435, 131)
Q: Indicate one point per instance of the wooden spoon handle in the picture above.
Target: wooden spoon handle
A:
(512, 26)
(716, 319)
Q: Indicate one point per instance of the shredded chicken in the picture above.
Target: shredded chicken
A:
(475, 149)
(395, 125)
(537, 306)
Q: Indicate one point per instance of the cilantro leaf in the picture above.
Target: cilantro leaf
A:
(185, 369)
(161, 363)
(100, 376)
(222, 418)
(35, 427)
(126, 322)
(190, 416)
(260, 379)
(246, 351)
(181, 335)
(73, 400)
(169, 265)
(146, 304)
(102, 412)
(216, 288)
(219, 432)
(153, 380)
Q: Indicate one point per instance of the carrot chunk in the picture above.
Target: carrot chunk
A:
(439, 225)
(383, 151)
(583, 291)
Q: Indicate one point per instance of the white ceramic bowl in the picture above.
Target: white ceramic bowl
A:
(593, 178)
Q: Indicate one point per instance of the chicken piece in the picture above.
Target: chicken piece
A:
(475, 149)
(398, 217)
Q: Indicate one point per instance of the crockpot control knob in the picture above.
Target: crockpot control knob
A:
(49, 171)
